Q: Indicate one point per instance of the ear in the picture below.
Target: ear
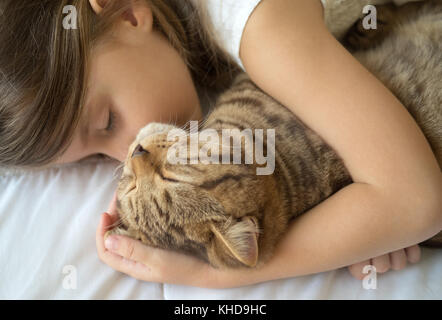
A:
(98, 5)
(138, 14)
(241, 239)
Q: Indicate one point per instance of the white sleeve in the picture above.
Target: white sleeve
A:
(229, 18)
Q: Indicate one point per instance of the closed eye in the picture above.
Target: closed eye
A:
(167, 179)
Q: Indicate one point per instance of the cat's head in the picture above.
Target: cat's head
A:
(212, 211)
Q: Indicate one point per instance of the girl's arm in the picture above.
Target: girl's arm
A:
(395, 200)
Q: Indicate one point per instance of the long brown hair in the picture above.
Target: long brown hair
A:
(43, 67)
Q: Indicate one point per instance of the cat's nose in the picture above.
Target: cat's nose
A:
(139, 151)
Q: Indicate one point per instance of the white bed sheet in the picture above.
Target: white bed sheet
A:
(48, 220)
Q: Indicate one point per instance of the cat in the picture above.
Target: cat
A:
(229, 216)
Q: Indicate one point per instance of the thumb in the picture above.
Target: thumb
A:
(128, 248)
(112, 209)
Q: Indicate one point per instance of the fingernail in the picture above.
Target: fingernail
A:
(111, 243)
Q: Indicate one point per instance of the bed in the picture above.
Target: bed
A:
(48, 219)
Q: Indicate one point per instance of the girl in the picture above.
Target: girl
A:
(68, 94)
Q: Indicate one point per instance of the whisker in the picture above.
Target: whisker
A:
(116, 224)
(120, 221)
(118, 171)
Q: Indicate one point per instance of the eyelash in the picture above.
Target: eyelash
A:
(111, 122)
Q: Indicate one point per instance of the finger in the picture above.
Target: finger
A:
(398, 259)
(164, 266)
(132, 268)
(413, 253)
(99, 234)
(382, 263)
(105, 221)
(115, 261)
(356, 269)
(113, 205)
(128, 248)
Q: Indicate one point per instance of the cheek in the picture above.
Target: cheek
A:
(176, 107)
(119, 146)
(143, 92)
(161, 92)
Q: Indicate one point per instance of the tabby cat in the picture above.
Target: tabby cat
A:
(228, 215)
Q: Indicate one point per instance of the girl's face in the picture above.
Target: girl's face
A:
(136, 79)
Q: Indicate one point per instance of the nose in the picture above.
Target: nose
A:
(139, 151)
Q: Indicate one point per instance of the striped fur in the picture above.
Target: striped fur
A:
(227, 215)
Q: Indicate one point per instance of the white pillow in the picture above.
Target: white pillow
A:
(48, 220)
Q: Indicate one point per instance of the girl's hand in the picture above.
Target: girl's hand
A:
(142, 262)
(146, 263)
(396, 260)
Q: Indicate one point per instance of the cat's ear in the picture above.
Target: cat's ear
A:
(241, 239)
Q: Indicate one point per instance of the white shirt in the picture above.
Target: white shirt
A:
(229, 18)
